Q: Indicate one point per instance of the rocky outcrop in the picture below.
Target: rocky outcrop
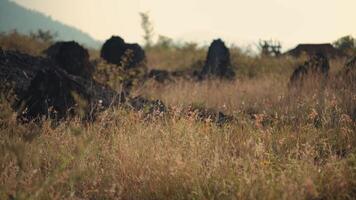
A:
(71, 57)
(42, 87)
(218, 62)
(116, 51)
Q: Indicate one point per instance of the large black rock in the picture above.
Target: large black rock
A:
(316, 67)
(17, 71)
(218, 61)
(71, 57)
(42, 88)
(116, 51)
(52, 93)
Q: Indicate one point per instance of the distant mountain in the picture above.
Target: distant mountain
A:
(14, 16)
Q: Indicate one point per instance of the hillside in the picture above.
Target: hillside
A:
(14, 16)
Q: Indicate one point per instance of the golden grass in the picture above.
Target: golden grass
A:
(283, 144)
(228, 96)
(175, 57)
(274, 150)
(23, 43)
(123, 157)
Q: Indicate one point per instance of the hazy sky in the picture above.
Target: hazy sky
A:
(239, 21)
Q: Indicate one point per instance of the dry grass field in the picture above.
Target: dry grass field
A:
(282, 143)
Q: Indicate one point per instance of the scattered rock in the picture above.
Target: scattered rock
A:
(316, 66)
(46, 89)
(218, 61)
(71, 57)
(116, 51)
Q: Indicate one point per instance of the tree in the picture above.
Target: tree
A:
(270, 48)
(45, 36)
(164, 42)
(147, 27)
(346, 43)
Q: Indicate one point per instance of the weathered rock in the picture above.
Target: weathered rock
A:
(317, 66)
(45, 89)
(71, 57)
(218, 61)
(52, 94)
(113, 49)
(134, 54)
(116, 51)
(17, 71)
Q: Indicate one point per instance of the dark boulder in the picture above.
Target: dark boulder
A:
(71, 57)
(113, 49)
(218, 61)
(116, 51)
(134, 54)
(42, 88)
(317, 67)
(52, 94)
(17, 71)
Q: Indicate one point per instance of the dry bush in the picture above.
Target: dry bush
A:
(24, 43)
